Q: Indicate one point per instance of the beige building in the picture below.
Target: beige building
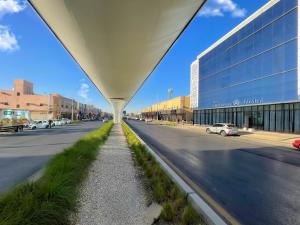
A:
(176, 109)
(42, 107)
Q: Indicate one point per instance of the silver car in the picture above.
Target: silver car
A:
(223, 128)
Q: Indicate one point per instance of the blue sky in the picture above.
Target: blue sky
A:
(29, 51)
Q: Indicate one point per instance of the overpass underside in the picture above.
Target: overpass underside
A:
(117, 43)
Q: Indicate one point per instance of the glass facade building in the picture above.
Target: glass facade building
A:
(250, 76)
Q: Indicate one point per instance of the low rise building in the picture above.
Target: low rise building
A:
(176, 109)
(42, 107)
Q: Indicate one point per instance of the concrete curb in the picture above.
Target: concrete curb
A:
(36, 175)
(199, 204)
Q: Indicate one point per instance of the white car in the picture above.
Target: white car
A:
(66, 121)
(63, 122)
(56, 122)
(148, 120)
(41, 124)
(32, 126)
(223, 128)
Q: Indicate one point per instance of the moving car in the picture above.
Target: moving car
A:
(223, 128)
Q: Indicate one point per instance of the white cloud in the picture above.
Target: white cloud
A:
(8, 41)
(11, 6)
(221, 7)
(84, 90)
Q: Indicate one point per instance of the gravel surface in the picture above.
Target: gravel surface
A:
(112, 193)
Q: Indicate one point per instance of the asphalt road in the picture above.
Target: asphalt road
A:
(254, 183)
(25, 153)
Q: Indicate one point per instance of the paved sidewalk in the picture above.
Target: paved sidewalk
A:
(271, 138)
(112, 193)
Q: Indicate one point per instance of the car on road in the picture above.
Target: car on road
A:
(223, 129)
(63, 122)
(66, 121)
(41, 124)
(31, 126)
(56, 123)
(148, 120)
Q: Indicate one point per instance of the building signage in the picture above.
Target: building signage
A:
(238, 102)
(8, 113)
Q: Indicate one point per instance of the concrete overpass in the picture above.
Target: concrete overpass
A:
(117, 43)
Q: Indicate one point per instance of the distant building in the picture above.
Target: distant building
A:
(42, 107)
(250, 76)
(176, 109)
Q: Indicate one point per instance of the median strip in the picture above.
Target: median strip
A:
(51, 199)
(176, 208)
(113, 193)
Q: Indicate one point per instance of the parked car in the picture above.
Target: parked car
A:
(148, 120)
(66, 121)
(223, 128)
(296, 144)
(31, 126)
(56, 123)
(40, 124)
(63, 122)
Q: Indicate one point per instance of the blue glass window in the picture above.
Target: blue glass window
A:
(258, 64)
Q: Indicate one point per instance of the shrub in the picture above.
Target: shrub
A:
(164, 191)
(190, 216)
(167, 212)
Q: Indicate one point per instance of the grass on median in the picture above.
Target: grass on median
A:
(176, 209)
(51, 199)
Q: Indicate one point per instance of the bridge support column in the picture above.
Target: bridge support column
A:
(118, 106)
